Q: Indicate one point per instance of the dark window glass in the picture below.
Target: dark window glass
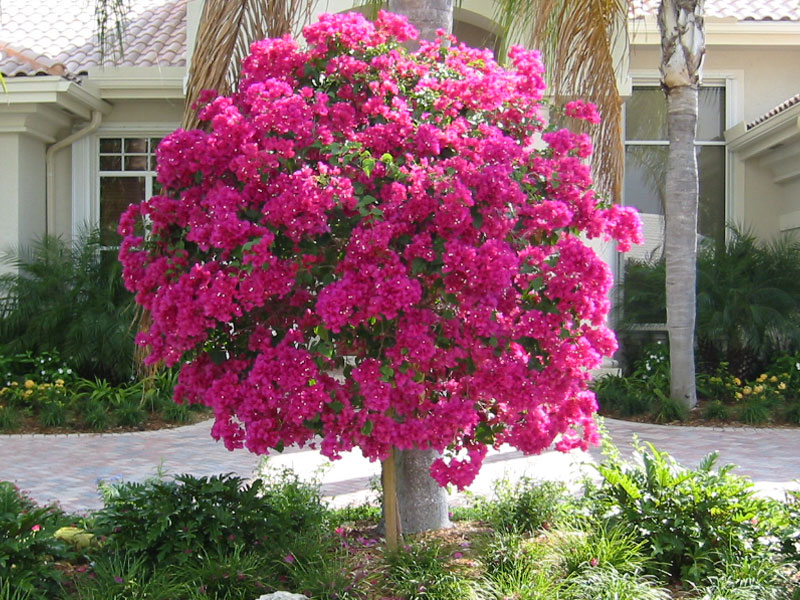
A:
(110, 145)
(116, 193)
(711, 208)
(646, 115)
(110, 163)
(137, 145)
(136, 163)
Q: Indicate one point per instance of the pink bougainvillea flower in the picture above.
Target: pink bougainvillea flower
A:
(374, 248)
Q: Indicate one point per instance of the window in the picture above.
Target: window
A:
(646, 149)
(126, 168)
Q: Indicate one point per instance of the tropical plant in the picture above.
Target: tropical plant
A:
(69, 299)
(748, 301)
(688, 519)
(381, 268)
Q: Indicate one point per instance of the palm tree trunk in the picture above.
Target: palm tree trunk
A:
(683, 49)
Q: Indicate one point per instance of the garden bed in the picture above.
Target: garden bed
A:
(650, 530)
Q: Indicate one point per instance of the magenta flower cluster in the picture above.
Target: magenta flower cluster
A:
(377, 248)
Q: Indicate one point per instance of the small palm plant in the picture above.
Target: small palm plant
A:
(68, 298)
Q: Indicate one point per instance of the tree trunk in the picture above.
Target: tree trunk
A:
(683, 48)
(421, 501)
(426, 15)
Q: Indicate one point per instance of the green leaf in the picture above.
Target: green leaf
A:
(419, 265)
(367, 428)
(368, 165)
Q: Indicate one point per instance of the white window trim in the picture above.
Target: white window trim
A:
(733, 82)
(86, 169)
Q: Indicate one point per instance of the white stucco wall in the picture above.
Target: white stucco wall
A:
(771, 74)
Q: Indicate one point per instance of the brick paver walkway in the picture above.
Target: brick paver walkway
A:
(66, 467)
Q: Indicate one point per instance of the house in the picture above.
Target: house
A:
(78, 128)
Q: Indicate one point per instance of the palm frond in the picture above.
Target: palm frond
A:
(576, 38)
(226, 30)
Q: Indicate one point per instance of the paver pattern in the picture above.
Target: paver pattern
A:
(66, 468)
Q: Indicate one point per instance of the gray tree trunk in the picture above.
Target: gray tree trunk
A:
(426, 15)
(421, 501)
(683, 49)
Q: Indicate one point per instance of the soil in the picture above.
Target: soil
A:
(151, 423)
(695, 418)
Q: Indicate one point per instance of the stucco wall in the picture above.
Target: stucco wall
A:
(22, 195)
(771, 74)
(144, 112)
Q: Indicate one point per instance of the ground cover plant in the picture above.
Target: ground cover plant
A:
(44, 393)
(647, 529)
(358, 207)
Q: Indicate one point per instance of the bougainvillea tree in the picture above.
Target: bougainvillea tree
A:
(375, 248)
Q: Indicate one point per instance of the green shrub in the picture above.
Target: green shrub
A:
(600, 545)
(69, 299)
(748, 300)
(504, 552)
(686, 518)
(27, 546)
(177, 521)
(623, 396)
(524, 506)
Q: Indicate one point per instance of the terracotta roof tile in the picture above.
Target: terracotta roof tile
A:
(742, 10)
(775, 111)
(64, 32)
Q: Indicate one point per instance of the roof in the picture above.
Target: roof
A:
(59, 37)
(741, 10)
(775, 111)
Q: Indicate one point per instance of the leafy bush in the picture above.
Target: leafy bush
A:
(179, 520)
(69, 299)
(599, 545)
(688, 519)
(27, 546)
(748, 300)
(524, 506)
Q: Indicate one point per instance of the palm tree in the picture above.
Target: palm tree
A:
(682, 52)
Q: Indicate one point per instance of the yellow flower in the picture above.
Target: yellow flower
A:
(762, 377)
(59, 382)
(45, 386)
(746, 390)
(3, 391)
(737, 381)
(773, 379)
(29, 384)
(738, 395)
(781, 386)
(27, 393)
(14, 384)
(758, 389)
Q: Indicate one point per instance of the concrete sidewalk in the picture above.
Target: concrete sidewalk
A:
(66, 468)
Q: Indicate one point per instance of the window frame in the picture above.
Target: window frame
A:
(86, 171)
(732, 83)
